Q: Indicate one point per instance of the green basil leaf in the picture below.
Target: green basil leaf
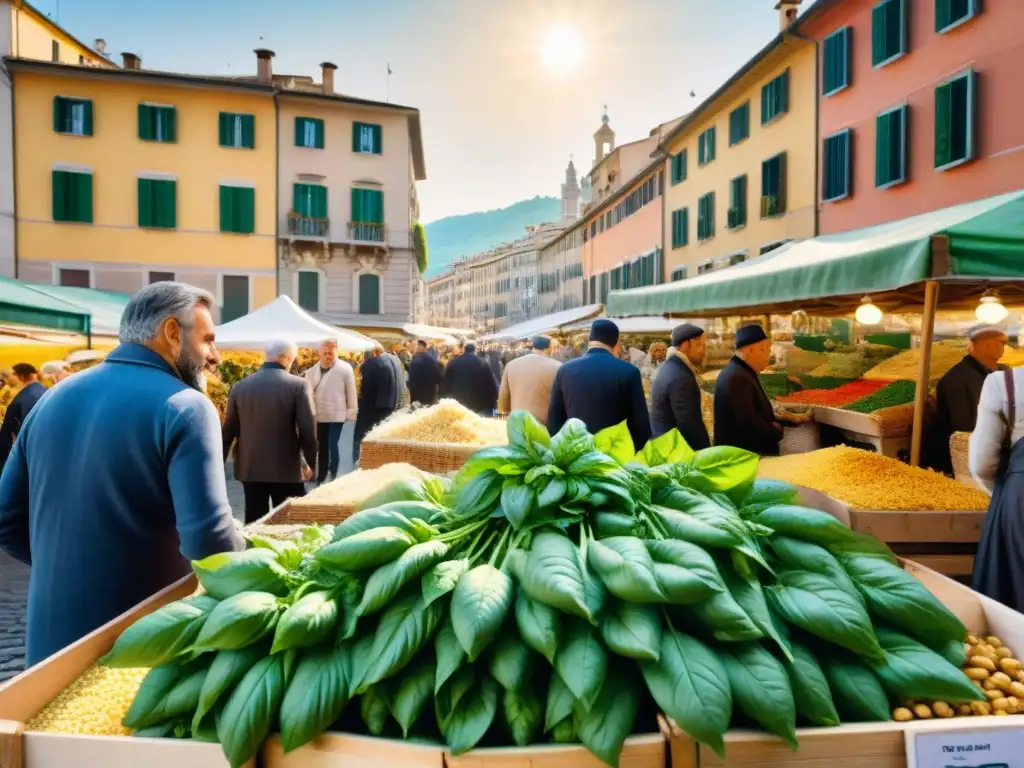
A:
(387, 581)
(493, 457)
(914, 671)
(625, 567)
(607, 524)
(606, 726)
(526, 433)
(857, 693)
(263, 542)
(442, 578)
(559, 704)
(685, 572)
(523, 712)
(552, 493)
(226, 669)
(582, 662)
(686, 527)
(162, 635)
(616, 442)
(953, 651)
(397, 514)
(449, 654)
(228, 573)
(316, 696)
(807, 556)
(367, 549)
(564, 732)
(518, 502)
(805, 524)
(552, 574)
(750, 597)
(690, 685)
(238, 621)
(669, 448)
(572, 441)
(449, 695)
(760, 688)
(810, 688)
(632, 630)
(472, 716)
(510, 661)
(306, 622)
(817, 605)
(541, 472)
(405, 627)
(251, 710)
(593, 464)
(725, 618)
(770, 493)
(155, 688)
(723, 468)
(539, 625)
(409, 488)
(479, 495)
(415, 690)
(356, 660)
(479, 606)
(374, 708)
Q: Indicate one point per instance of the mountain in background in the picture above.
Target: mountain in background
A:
(453, 237)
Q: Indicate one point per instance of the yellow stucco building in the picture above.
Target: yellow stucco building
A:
(125, 176)
(740, 169)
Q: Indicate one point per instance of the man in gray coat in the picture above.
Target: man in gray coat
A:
(270, 416)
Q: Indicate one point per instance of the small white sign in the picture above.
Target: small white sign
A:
(968, 748)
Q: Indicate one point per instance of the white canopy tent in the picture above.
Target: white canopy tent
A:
(545, 324)
(284, 318)
(429, 333)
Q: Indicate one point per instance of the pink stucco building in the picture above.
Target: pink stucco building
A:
(919, 105)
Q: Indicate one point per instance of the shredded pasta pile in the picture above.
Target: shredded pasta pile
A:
(94, 704)
(353, 488)
(448, 422)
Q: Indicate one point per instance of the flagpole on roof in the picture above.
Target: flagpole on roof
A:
(387, 91)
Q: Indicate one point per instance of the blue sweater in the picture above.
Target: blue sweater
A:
(115, 482)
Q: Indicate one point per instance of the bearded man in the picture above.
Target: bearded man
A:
(116, 479)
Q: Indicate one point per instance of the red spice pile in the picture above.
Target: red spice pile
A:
(837, 397)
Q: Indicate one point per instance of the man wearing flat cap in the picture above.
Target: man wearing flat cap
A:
(744, 417)
(527, 381)
(959, 392)
(677, 401)
(600, 390)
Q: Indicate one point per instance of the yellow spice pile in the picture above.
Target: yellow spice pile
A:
(92, 705)
(867, 480)
(447, 422)
(356, 486)
(904, 365)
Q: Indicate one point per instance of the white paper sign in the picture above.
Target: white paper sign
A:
(971, 748)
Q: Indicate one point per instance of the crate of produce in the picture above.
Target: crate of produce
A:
(866, 745)
(959, 453)
(99, 742)
(336, 500)
(438, 439)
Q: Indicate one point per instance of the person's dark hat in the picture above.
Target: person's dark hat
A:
(24, 370)
(605, 332)
(685, 332)
(541, 342)
(469, 349)
(749, 334)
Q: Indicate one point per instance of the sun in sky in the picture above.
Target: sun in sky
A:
(562, 49)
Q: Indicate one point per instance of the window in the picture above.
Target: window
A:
(367, 214)
(54, 51)
(737, 202)
(310, 200)
(604, 287)
(308, 290)
(888, 32)
(954, 121)
(161, 277)
(369, 295)
(72, 196)
(891, 147)
(706, 146)
(953, 13)
(773, 186)
(592, 294)
(75, 278)
(706, 217)
(679, 167)
(309, 132)
(73, 116)
(775, 98)
(237, 209)
(237, 130)
(739, 124)
(836, 58)
(158, 203)
(704, 267)
(156, 123)
(835, 166)
(679, 273)
(680, 228)
(235, 299)
(366, 138)
(593, 229)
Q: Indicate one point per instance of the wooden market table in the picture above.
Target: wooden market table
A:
(887, 438)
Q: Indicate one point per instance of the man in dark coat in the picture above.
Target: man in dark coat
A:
(270, 416)
(744, 417)
(19, 408)
(378, 395)
(469, 379)
(600, 390)
(424, 376)
(676, 393)
(959, 391)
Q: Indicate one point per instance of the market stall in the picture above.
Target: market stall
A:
(283, 317)
(546, 324)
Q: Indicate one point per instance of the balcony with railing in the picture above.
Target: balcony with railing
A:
(300, 225)
(367, 232)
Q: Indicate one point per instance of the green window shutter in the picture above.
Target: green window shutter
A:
(369, 295)
(949, 13)
(701, 141)
(300, 131)
(685, 227)
(309, 291)
(356, 137)
(145, 202)
(878, 35)
(165, 203)
(890, 147)
(236, 297)
(87, 107)
(227, 209)
(302, 202)
(59, 110)
(224, 129)
(883, 150)
(170, 118)
(836, 167)
(249, 131)
(378, 140)
(836, 63)
(319, 200)
(245, 210)
(943, 125)
(318, 141)
(954, 120)
(711, 143)
(888, 31)
(375, 202)
(59, 194)
(81, 197)
(357, 205)
(145, 122)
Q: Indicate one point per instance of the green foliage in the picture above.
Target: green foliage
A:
(419, 246)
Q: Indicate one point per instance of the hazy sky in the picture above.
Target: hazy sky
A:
(498, 125)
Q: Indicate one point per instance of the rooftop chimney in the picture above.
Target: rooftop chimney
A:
(264, 72)
(328, 76)
(788, 10)
(131, 61)
(101, 46)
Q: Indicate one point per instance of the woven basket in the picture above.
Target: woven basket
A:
(294, 514)
(958, 447)
(800, 439)
(896, 420)
(437, 458)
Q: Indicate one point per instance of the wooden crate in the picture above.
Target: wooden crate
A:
(25, 695)
(863, 428)
(648, 751)
(863, 745)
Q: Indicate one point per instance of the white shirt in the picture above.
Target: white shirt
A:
(989, 436)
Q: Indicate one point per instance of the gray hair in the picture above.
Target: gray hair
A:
(279, 347)
(147, 310)
(325, 342)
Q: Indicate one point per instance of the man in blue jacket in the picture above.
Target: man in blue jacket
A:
(600, 390)
(116, 480)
